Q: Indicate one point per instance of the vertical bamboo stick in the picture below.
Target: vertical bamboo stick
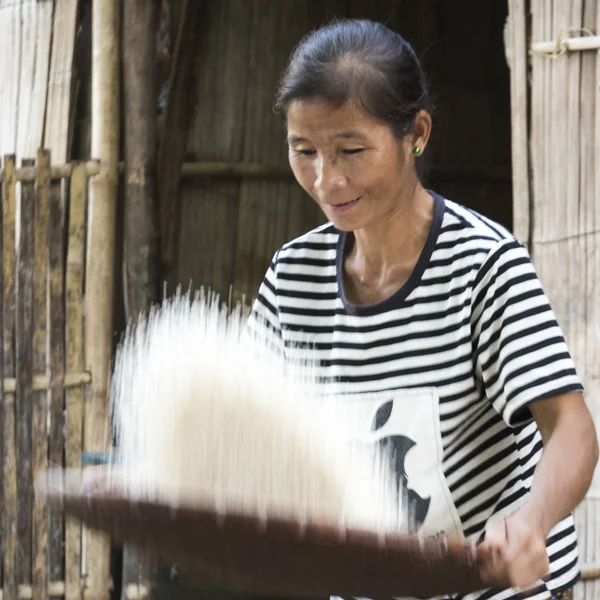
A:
(519, 92)
(58, 132)
(57, 369)
(57, 126)
(40, 399)
(24, 373)
(101, 258)
(2, 394)
(9, 467)
(10, 40)
(74, 364)
(36, 24)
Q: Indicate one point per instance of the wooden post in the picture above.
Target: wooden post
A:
(100, 266)
(74, 362)
(40, 399)
(56, 332)
(2, 393)
(141, 235)
(9, 466)
(24, 369)
(141, 216)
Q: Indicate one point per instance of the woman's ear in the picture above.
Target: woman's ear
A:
(422, 130)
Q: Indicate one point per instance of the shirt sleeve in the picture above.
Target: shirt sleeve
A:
(519, 348)
(264, 318)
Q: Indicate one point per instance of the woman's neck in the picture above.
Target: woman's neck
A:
(383, 255)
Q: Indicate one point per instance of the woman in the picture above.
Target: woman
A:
(429, 316)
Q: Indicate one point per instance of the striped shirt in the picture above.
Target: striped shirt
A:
(456, 354)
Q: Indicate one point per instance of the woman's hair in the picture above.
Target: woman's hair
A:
(362, 61)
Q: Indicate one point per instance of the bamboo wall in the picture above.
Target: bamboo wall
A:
(230, 226)
(557, 198)
(42, 408)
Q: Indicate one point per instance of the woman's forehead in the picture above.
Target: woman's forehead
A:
(308, 118)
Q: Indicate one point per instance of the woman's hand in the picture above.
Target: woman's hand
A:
(514, 551)
(102, 479)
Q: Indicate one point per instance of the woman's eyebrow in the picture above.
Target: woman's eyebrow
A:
(346, 135)
(350, 135)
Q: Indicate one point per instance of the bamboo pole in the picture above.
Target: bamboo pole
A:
(9, 467)
(57, 172)
(59, 113)
(141, 256)
(44, 382)
(56, 378)
(24, 376)
(101, 259)
(519, 92)
(40, 399)
(58, 135)
(574, 44)
(74, 363)
(2, 394)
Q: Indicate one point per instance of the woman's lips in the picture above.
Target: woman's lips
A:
(339, 208)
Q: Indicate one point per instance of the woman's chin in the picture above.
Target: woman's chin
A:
(343, 222)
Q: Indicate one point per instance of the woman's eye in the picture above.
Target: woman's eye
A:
(353, 150)
(306, 152)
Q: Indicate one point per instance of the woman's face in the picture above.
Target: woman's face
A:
(350, 163)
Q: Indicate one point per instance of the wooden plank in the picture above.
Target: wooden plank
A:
(519, 96)
(211, 209)
(10, 49)
(263, 141)
(24, 376)
(74, 398)
(57, 368)
(9, 467)
(39, 360)
(567, 225)
(175, 127)
(57, 127)
(33, 80)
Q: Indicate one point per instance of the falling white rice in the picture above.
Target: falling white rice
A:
(207, 415)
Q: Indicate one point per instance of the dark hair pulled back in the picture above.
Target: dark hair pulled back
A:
(362, 61)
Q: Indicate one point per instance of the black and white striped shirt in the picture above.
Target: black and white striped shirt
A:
(469, 341)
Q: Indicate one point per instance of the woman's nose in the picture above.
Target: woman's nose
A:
(329, 177)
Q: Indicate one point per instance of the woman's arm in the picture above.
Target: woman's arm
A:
(515, 549)
(564, 473)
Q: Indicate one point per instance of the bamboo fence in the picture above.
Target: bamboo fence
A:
(42, 369)
(556, 151)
